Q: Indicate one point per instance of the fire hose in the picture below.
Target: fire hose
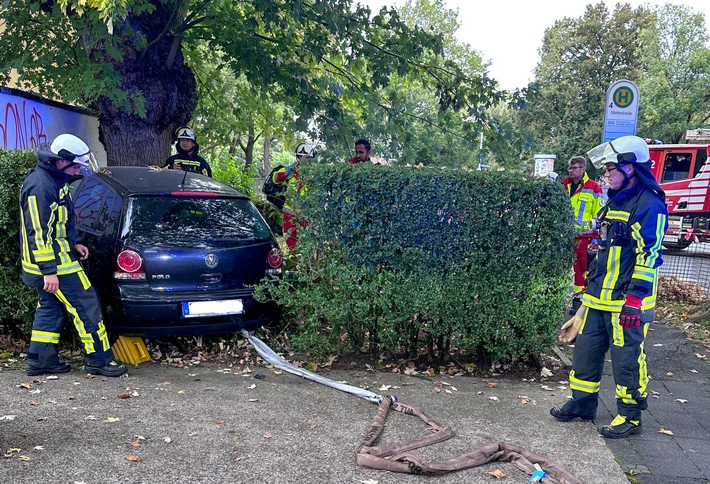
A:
(395, 457)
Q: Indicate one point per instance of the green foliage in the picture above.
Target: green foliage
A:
(18, 301)
(674, 89)
(399, 257)
(236, 174)
(580, 58)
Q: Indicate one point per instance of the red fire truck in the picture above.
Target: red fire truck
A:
(684, 175)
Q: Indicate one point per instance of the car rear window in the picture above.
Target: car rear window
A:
(193, 222)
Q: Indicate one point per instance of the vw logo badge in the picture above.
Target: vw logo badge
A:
(211, 261)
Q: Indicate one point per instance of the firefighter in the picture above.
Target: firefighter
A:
(586, 197)
(621, 289)
(187, 157)
(289, 176)
(50, 262)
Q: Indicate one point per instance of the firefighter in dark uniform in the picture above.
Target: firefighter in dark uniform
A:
(187, 157)
(50, 262)
(621, 290)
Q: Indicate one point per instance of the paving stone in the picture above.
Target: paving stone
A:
(695, 446)
(673, 467)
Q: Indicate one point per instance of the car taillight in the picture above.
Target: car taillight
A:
(130, 265)
(275, 260)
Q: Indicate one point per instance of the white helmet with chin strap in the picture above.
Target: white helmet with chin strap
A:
(622, 151)
(73, 149)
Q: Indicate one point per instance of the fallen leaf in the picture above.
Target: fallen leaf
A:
(664, 431)
(495, 399)
(136, 443)
(133, 458)
(430, 372)
(384, 388)
(8, 417)
(38, 447)
(192, 434)
(693, 371)
(545, 373)
(253, 400)
(655, 392)
(447, 390)
(547, 388)
(123, 396)
(370, 481)
(681, 400)
(701, 357)
(52, 377)
(112, 420)
(238, 458)
(524, 399)
(492, 385)
(167, 440)
(90, 417)
(268, 435)
(181, 392)
(670, 373)
(498, 474)
(25, 386)
(219, 422)
(24, 458)
(252, 386)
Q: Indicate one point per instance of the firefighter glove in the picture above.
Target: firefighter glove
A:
(630, 316)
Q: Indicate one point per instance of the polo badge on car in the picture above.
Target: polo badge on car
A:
(211, 261)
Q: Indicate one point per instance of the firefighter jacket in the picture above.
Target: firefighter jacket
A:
(191, 161)
(292, 179)
(586, 203)
(47, 232)
(631, 230)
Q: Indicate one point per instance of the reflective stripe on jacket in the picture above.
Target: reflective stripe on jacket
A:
(586, 202)
(47, 233)
(629, 251)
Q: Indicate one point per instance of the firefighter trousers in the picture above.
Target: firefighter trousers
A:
(77, 299)
(600, 332)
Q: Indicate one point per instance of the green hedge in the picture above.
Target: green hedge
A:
(403, 259)
(18, 302)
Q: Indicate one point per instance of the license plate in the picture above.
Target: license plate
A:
(212, 308)
(671, 238)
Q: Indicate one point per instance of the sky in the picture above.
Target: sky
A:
(508, 33)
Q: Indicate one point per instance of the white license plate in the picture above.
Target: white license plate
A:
(212, 308)
(671, 238)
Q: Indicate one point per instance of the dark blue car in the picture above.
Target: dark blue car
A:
(174, 253)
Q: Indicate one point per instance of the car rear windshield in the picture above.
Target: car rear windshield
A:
(193, 222)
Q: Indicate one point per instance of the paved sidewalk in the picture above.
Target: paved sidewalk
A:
(679, 402)
(211, 424)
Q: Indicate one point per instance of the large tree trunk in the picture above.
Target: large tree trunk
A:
(159, 74)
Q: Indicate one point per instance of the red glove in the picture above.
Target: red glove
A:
(630, 316)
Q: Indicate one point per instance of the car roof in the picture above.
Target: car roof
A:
(143, 180)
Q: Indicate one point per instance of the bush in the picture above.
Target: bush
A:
(232, 172)
(400, 259)
(18, 301)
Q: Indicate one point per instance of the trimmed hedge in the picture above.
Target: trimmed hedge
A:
(400, 259)
(18, 302)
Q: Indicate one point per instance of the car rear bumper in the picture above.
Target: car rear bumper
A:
(139, 312)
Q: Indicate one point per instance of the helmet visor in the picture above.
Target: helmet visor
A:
(603, 154)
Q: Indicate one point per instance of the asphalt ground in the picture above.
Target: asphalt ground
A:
(207, 423)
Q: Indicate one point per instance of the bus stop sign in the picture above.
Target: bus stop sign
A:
(622, 108)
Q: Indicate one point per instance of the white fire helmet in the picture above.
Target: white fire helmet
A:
(186, 133)
(622, 151)
(303, 150)
(71, 148)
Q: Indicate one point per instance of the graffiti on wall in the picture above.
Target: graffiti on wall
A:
(21, 126)
(27, 120)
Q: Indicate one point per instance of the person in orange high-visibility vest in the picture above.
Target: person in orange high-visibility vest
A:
(586, 197)
(289, 175)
